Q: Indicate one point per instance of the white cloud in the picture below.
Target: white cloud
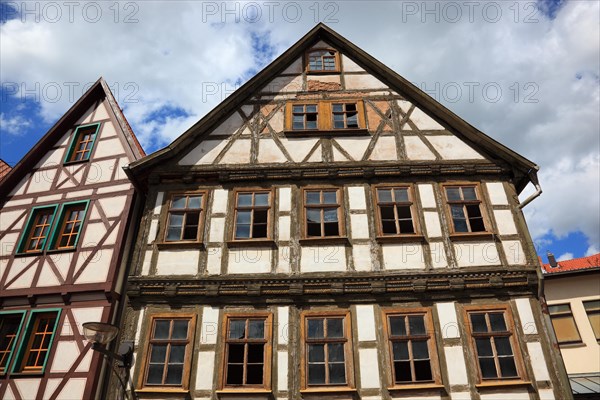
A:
(591, 251)
(182, 55)
(564, 257)
(14, 125)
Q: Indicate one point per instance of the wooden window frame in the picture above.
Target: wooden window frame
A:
(340, 212)
(75, 141)
(348, 351)
(189, 350)
(10, 351)
(268, 355)
(325, 118)
(270, 216)
(513, 339)
(60, 222)
(336, 56)
(482, 208)
(27, 339)
(201, 219)
(564, 314)
(593, 311)
(431, 346)
(417, 235)
(29, 227)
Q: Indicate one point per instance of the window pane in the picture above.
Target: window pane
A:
(336, 352)
(256, 329)
(453, 194)
(406, 227)
(497, 322)
(478, 323)
(315, 328)
(423, 371)
(337, 373)
(330, 214)
(256, 353)
(401, 194)
(261, 199)
(384, 195)
(316, 353)
(174, 374)
(389, 227)
(387, 213)
(313, 198)
(330, 197)
(254, 374)
(565, 329)
(259, 231)
(174, 233)
(420, 351)
(332, 229)
(244, 199)
(298, 109)
(559, 308)
(311, 108)
(237, 329)
(180, 328)
(243, 217)
(242, 232)
(591, 305)
(508, 367)
(338, 124)
(155, 374)
(477, 225)
(311, 122)
(397, 326)
(178, 202)
(195, 202)
(488, 368)
(402, 371)
(161, 329)
(474, 211)
(158, 354)
(595, 322)
(503, 347)
(400, 350)
(260, 216)
(403, 212)
(316, 374)
(469, 193)
(313, 229)
(416, 325)
(335, 327)
(313, 215)
(236, 353)
(338, 108)
(484, 347)
(177, 354)
(235, 374)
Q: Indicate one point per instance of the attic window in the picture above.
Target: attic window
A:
(322, 60)
(339, 117)
(82, 143)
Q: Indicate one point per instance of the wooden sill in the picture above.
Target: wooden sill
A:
(30, 254)
(335, 389)
(400, 239)
(322, 72)
(244, 391)
(162, 390)
(417, 386)
(76, 162)
(329, 132)
(180, 245)
(252, 243)
(471, 236)
(500, 384)
(325, 240)
(55, 251)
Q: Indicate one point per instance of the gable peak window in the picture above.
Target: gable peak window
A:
(82, 143)
(184, 220)
(465, 208)
(332, 116)
(322, 60)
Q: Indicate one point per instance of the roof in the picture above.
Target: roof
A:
(4, 169)
(520, 166)
(585, 383)
(99, 90)
(574, 265)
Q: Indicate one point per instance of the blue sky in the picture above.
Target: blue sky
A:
(542, 56)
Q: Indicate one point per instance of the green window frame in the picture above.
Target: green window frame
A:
(88, 144)
(27, 232)
(60, 223)
(6, 354)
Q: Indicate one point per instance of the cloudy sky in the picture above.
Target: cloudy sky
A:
(524, 72)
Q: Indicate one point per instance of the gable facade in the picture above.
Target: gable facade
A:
(326, 234)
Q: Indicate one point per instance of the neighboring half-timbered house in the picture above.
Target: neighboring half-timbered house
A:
(66, 209)
(329, 231)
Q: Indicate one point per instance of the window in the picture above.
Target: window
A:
(36, 343)
(68, 226)
(82, 143)
(10, 325)
(247, 351)
(412, 347)
(169, 350)
(322, 209)
(327, 355)
(185, 217)
(493, 342)
(252, 217)
(395, 214)
(592, 308)
(465, 208)
(37, 230)
(322, 60)
(564, 324)
(335, 117)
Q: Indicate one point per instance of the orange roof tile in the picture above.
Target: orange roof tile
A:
(4, 169)
(575, 264)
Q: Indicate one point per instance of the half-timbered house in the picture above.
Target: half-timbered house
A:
(329, 231)
(66, 208)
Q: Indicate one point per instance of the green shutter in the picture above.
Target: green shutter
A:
(74, 141)
(52, 242)
(12, 349)
(27, 229)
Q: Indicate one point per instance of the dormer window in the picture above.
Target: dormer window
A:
(322, 60)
